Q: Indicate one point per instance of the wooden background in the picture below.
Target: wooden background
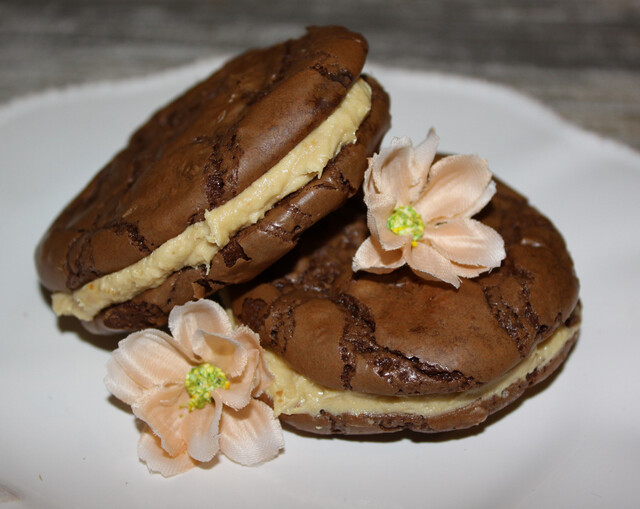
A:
(580, 57)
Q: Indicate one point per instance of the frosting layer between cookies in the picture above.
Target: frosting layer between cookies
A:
(200, 241)
(294, 394)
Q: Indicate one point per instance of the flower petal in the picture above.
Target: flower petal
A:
(148, 358)
(163, 409)
(467, 242)
(482, 201)
(391, 171)
(423, 156)
(157, 459)
(426, 261)
(223, 352)
(246, 337)
(120, 384)
(468, 271)
(241, 387)
(371, 257)
(201, 314)
(377, 218)
(200, 431)
(380, 206)
(456, 185)
(252, 435)
(251, 341)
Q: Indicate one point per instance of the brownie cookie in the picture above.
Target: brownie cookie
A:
(379, 353)
(193, 167)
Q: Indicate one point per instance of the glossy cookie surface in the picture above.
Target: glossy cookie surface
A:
(398, 335)
(199, 152)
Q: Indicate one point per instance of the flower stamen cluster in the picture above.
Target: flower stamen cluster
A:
(201, 381)
(406, 221)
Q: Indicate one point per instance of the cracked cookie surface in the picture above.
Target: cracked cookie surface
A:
(397, 334)
(199, 152)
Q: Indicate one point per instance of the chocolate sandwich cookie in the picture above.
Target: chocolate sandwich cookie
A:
(370, 353)
(218, 184)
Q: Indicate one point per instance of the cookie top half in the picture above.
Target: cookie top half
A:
(201, 152)
(398, 334)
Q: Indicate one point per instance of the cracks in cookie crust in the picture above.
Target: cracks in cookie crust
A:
(233, 252)
(400, 369)
(215, 184)
(222, 179)
(76, 272)
(134, 315)
(343, 76)
(335, 426)
(518, 319)
(514, 297)
(254, 313)
(348, 363)
(293, 214)
(396, 368)
(151, 143)
(81, 266)
(282, 326)
(135, 237)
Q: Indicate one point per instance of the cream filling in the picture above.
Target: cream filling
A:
(201, 241)
(293, 393)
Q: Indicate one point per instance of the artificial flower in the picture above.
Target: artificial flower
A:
(419, 213)
(196, 391)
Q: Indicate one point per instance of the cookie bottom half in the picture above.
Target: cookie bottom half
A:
(310, 407)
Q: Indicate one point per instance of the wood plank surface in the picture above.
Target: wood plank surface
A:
(580, 57)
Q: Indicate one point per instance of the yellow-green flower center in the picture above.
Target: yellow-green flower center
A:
(201, 380)
(406, 221)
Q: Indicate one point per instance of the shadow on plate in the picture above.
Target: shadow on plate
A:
(104, 342)
(73, 325)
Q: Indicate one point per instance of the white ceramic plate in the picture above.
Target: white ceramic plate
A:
(575, 443)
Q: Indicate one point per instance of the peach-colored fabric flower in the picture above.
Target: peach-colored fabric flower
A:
(196, 390)
(419, 213)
